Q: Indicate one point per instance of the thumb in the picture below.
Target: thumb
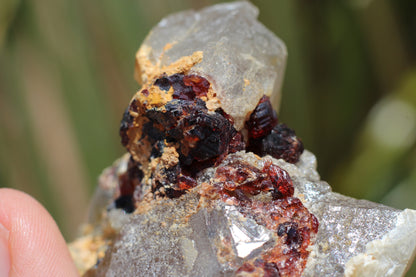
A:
(30, 241)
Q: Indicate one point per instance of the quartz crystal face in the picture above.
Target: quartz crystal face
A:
(244, 60)
(212, 183)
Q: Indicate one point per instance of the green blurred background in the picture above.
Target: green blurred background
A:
(66, 75)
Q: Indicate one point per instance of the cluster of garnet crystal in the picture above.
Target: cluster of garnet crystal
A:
(267, 137)
(179, 137)
(200, 138)
(237, 182)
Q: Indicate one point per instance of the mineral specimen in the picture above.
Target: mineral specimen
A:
(213, 184)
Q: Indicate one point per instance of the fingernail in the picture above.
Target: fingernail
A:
(4, 252)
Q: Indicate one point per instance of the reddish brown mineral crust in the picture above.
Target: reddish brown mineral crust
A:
(237, 182)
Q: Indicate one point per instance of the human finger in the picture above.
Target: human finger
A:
(31, 241)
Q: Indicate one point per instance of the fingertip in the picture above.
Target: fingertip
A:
(36, 246)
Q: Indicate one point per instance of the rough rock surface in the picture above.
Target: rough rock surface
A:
(355, 237)
(197, 234)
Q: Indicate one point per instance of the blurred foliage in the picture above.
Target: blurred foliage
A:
(66, 75)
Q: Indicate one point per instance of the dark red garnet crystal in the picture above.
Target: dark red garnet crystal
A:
(282, 143)
(285, 214)
(186, 87)
(129, 182)
(266, 137)
(262, 119)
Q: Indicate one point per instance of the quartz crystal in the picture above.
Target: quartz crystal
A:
(213, 184)
(243, 59)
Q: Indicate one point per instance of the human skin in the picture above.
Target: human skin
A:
(30, 241)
